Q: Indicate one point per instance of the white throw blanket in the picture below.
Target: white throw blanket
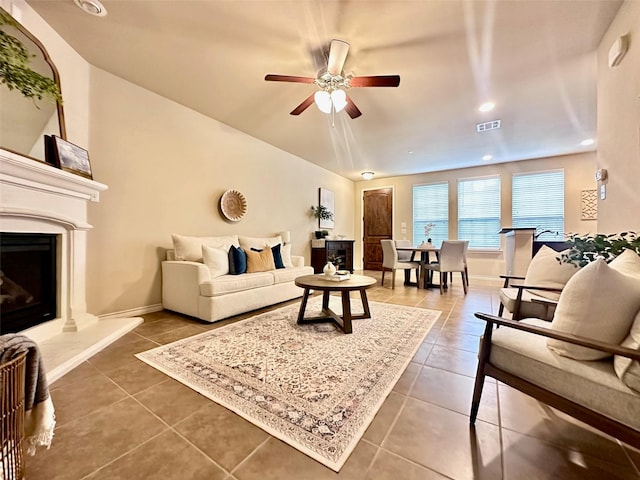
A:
(39, 421)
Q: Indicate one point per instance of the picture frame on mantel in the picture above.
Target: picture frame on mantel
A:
(326, 200)
(67, 156)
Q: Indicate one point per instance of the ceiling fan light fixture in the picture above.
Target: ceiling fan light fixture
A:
(339, 99)
(367, 175)
(323, 101)
(92, 7)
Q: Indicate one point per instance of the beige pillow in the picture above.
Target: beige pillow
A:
(628, 262)
(598, 302)
(190, 248)
(247, 243)
(629, 370)
(217, 259)
(285, 251)
(546, 271)
(260, 261)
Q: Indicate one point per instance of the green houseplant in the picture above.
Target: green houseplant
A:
(15, 72)
(321, 212)
(586, 248)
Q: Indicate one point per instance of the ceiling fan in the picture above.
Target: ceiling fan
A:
(333, 83)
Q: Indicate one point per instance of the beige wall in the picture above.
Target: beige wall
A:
(578, 176)
(619, 125)
(166, 167)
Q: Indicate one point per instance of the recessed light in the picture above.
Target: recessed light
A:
(486, 158)
(410, 152)
(486, 107)
(367, 175)
(92, 7)
(587, 142)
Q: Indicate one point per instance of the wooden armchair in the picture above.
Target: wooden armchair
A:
(521, 302)
(589, 391)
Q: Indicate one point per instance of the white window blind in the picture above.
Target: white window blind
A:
(479, 212)
(538, 202)
(431, 206)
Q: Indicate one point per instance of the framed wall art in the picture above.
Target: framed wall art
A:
(326, 200)
(68, 157)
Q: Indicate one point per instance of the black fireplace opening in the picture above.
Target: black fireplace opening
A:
(28, 292)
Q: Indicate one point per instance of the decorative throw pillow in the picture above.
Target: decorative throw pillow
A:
(597, 302)
(261, 261)
(217, 259)
(629, 370)
(277, 256)
(545, 271)
(286, 256)
(628, 262)
(239, 260)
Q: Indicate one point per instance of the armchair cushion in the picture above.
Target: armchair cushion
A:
(591, 384)
(546, 271)
(598, 302)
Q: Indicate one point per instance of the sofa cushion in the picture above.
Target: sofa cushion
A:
(546, 271)
(258, 242)
(216, 259)
(592, 384)
(235, 283)
(260, 260)
(629, 370)
(190, 248)
(598, 302)
(290, 274)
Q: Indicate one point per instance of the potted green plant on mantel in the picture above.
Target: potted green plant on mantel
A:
(586, 248)
(321, 213)
(15, 72)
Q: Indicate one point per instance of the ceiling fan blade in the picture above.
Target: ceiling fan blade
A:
(303, 106)
(351, 109)
(337, 55)
(288, 78)
(376, 81)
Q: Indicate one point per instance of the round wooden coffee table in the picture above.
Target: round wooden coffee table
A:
(317, 282)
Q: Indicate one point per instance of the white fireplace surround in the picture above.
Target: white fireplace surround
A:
(38, 198)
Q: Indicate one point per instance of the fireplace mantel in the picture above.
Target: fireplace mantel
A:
(36, 197)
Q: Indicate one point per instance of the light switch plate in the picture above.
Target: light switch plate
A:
(603, 192)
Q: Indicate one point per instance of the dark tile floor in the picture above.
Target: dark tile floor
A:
(121, 419)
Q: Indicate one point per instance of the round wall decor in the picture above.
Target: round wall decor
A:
(233, 205)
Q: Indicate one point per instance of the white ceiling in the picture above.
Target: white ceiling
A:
(534, 58)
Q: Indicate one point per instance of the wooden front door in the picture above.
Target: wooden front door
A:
(378, 225)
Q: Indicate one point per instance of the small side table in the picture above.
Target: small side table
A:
(317, 282)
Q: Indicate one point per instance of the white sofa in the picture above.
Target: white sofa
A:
(193, 287)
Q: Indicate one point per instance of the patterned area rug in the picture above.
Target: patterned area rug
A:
(311, 386)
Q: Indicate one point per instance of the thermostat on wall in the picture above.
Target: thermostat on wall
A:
(618, 49)
(601, 174)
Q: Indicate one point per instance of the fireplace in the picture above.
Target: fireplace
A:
(28, 290)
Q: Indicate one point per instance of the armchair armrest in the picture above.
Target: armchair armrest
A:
(518, 301)
(558, 335)
(507, 278)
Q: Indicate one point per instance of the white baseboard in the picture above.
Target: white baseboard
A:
(133, 312)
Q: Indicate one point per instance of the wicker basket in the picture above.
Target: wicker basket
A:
(12, 418)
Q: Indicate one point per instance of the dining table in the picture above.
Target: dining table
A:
(424, 280)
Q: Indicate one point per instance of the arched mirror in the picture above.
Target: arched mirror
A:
(24, 121)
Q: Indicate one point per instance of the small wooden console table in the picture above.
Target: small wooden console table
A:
(316, 282)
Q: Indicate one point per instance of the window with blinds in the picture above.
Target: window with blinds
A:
(538, 202)
(479, 212)
(431, 206)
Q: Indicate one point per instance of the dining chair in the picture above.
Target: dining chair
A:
(391, 262)
(466, 269)
(451, 259)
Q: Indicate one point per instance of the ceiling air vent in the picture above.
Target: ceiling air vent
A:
(492, 125)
